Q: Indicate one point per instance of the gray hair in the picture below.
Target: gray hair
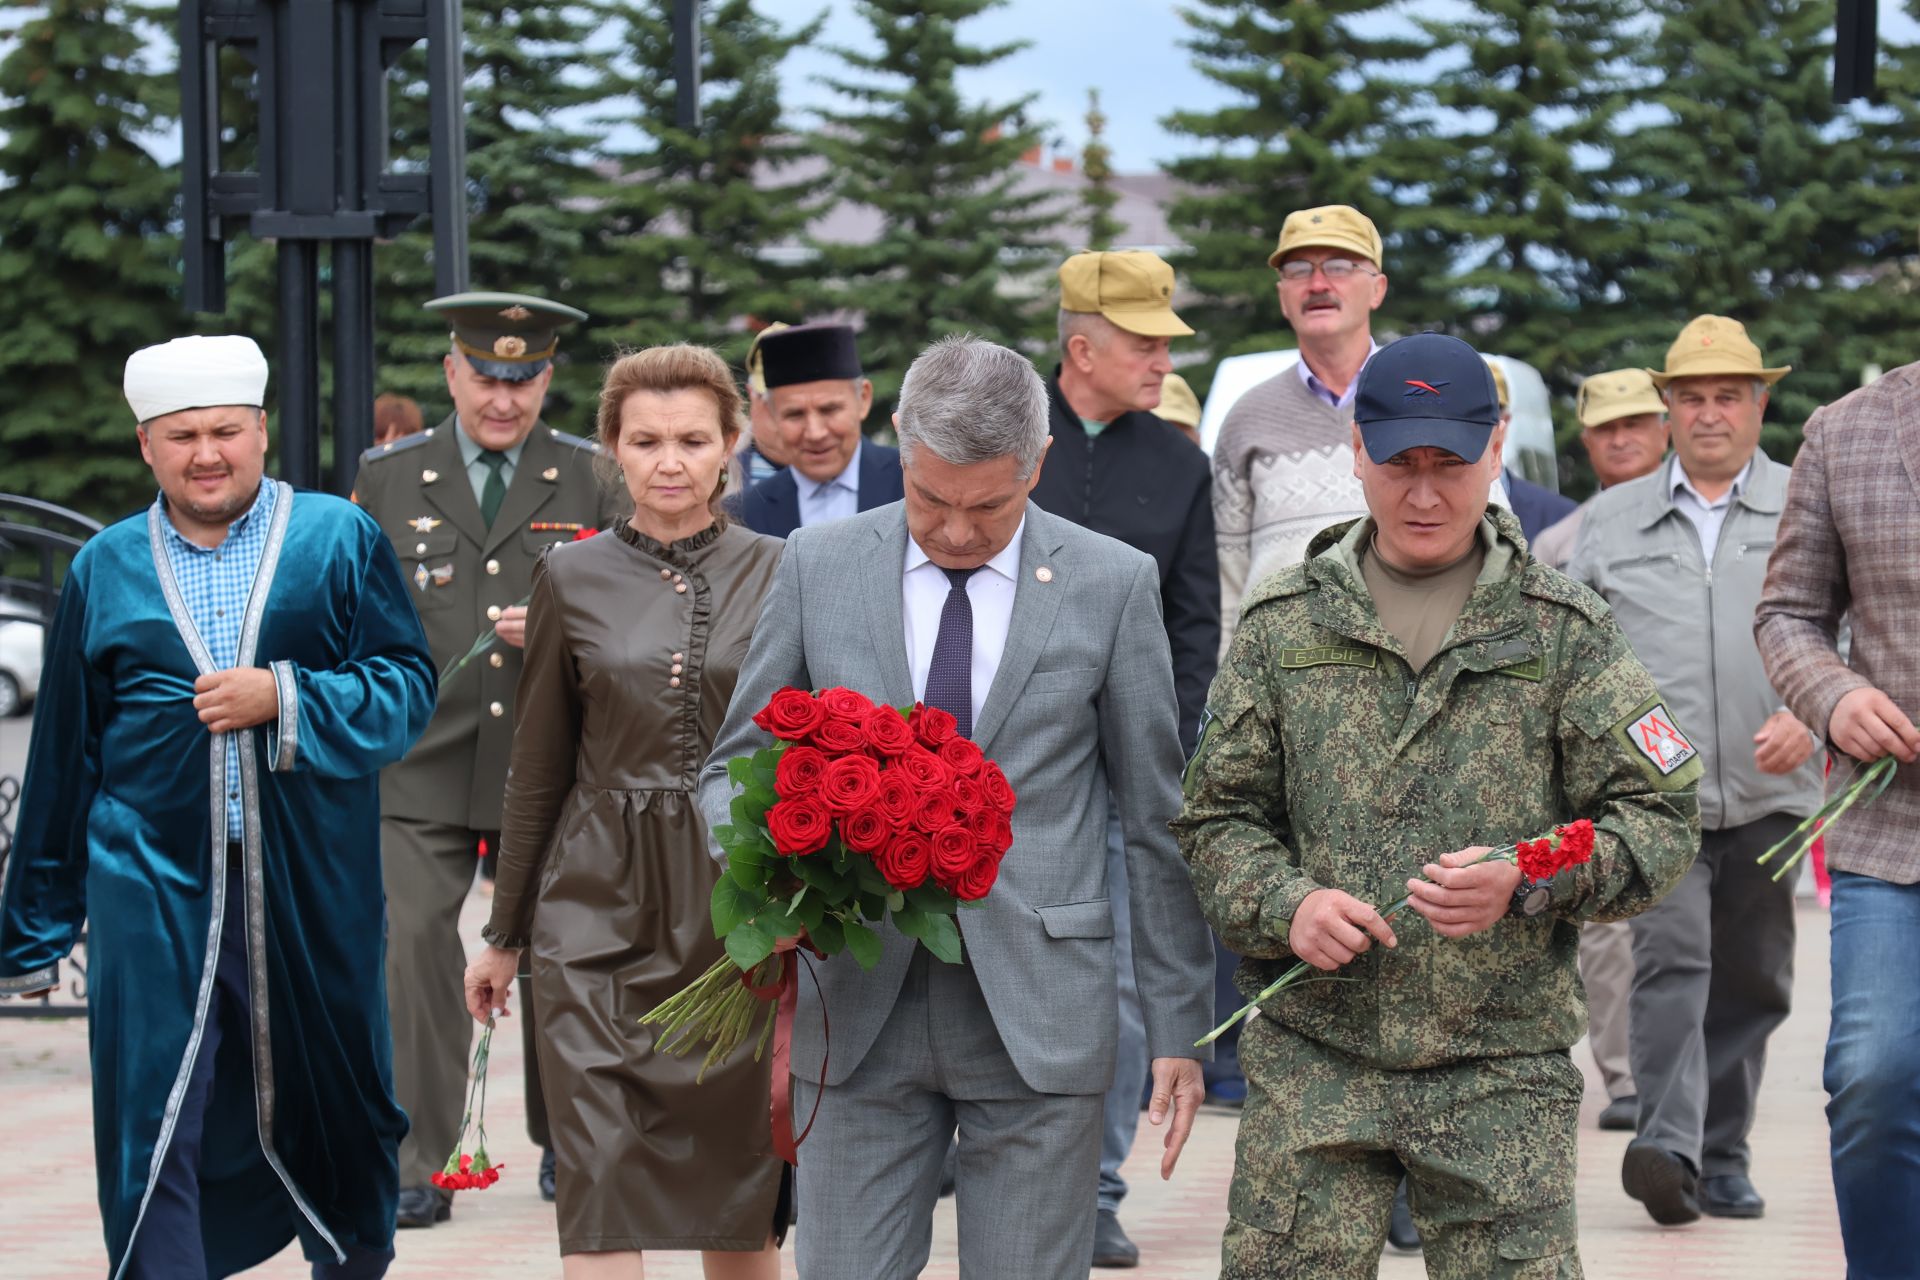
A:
(969, 400)
(1095, 326)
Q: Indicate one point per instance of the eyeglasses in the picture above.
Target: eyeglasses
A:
(1299, 270)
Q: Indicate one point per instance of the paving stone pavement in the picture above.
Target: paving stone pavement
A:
(47, 1186)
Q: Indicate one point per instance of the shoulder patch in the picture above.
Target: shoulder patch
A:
(1543, 583)
(1657, 740)
(1329, 655)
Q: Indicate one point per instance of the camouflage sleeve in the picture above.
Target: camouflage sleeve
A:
(1233, 826)
(1631, 769)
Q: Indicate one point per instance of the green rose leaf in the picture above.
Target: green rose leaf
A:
(863, 943)
(748, 945)
(740, 771)
(733, 905)
(828, 934)
(942, 937)
(910, 922)
(932, 899)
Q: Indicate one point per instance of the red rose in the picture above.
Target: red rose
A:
(969, 793)
(840, 737)
(897, 796)
(846, 704)
(852, 782)
(953, 853)
(791, 714)
(984, 824)
(924, 770)
(865, 829)
(799, 772)
(962, 755)
(799, 826)
(932, 725)
(1002, 837)
(886, 732)
(975, 882)
(999, 790)
(936, 809)
(905, 860)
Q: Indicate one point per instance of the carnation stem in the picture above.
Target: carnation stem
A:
(1865, 788)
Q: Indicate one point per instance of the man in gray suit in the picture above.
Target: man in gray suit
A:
(1045, 641)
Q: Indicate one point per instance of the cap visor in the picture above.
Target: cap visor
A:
(1150, 324)
(1625, 409)
(1396, 435)
(1663, 380)
(508, 370)
(1355, 247)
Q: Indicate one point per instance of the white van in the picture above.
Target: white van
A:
(1529, 451)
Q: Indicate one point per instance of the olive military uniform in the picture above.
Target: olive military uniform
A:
(439, 802)
(1328, 763)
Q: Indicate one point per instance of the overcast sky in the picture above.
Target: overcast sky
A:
(1132, 51)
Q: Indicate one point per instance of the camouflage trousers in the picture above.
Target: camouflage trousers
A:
(1488, 1147)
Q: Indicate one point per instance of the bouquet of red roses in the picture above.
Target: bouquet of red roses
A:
(1539, 860)
(858, 812)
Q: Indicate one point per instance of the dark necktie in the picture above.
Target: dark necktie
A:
(494, 492)
(950, 674)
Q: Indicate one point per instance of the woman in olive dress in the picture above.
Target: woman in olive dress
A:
(634, 641)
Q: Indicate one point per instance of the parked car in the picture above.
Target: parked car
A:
(21, 646)
(1529, 449)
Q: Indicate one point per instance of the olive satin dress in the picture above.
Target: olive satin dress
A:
(632, 652)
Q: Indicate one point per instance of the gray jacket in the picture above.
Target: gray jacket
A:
(1081, 707)
(1692, 626)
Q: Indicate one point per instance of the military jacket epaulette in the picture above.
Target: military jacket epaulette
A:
(391, 447)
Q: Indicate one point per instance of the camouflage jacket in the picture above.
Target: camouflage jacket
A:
(1326, 763)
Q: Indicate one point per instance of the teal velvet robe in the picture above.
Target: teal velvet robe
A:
(123, 825)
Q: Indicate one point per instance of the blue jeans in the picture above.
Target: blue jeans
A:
(1225, 1067)
(1121, 1116)
(1873, 1087)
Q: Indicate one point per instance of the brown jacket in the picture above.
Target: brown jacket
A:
(1849, 545)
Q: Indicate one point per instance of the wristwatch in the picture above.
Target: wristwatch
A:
(1531, 898)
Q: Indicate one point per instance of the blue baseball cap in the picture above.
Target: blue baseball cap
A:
(1426, 390)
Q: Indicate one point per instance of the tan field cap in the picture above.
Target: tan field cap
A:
(1715, 346)
(1500, 392)
(1132, 288)
(1177, 402)
(1331, 226)
(1617, 393)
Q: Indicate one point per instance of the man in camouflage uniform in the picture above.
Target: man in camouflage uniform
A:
(1417, 685)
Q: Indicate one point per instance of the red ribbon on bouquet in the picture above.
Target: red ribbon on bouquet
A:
(786, 990)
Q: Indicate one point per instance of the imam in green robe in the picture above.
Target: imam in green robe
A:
(123, 826)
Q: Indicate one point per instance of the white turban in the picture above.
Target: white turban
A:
(195, 373)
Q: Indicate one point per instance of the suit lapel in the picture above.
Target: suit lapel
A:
(1035, 605)
(783, 505)
(534, 480)
(1906, 426)
(449, 490)
(886, 609)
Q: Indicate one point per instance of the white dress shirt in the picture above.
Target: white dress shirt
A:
(1707, 517)
(1322, 391)
(835, 499)
(990, 591)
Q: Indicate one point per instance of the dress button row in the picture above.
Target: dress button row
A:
(674, 682)
(493, 566)
(496, 710)
(497, 660)
(493, 613)
(665, 574)
(676, 669)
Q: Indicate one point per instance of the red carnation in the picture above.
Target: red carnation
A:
(799, 826)
(852, 782)
(1569, 846)
(791, 714)
(799, 772)
(897, 796)
(581, 535)
(999, 790)
(932, 725)
(953, 853)
(840, 737)
(846, 704)
(975, 882)
(936, 809)
(905, 860)
(886, 732)
(865, 829)
(924, 770)
(962, 755)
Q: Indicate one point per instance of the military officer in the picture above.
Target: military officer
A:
(469, 505)
(1419, 685)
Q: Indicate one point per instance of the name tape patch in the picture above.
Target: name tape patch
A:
(1654, 736)
(1326, 655)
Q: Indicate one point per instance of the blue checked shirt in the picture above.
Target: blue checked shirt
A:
(215, 582)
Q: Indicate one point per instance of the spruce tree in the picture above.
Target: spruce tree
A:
(1096, 162)
(87, 260)
(1755, 196)
(688, 214)
(1883, 298)
(941, 174)
(1514, 184)
(1312, 106)
(529, 222)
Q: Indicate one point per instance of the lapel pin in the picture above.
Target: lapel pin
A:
(420, 577)
(429, 476)
(551, 473)
(1043, 573)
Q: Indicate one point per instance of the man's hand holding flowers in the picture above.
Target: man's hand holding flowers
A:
(1463, 895)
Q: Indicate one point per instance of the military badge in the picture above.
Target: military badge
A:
(1654, 736)
(420, 577)
(442, 575)
(510, 345)
(515, 312)
(424, 524)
